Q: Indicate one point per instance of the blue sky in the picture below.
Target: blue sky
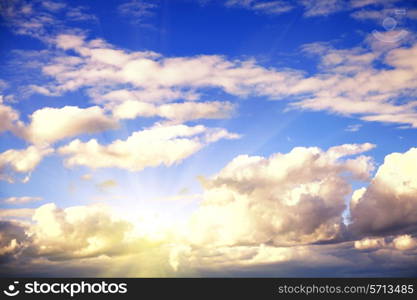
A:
(209, 127)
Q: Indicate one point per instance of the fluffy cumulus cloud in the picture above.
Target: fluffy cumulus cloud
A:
(12, 239)
(276, 211)
(370, 243)
(49, 125)
(151, 147)
(286, 199)
(281, 215)
(21, 161)
(79, 232)
(389, 203)
(404, 242)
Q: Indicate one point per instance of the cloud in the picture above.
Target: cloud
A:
(107, 184)
(78, 232)
(78, 14)
(38, 19)
(21, 161)
(87, 177)
(100, 66)
(138, 10)
(284, 200)
(49, 125)
(405, 242)
(69, 41)
(15, 214)
(353, 127)
(9, 117)
(320, 8)
(388, 204)
(43, 20)
(12, 238)
(363, 3)
(370, 243)
(316, 8)
(178, 112)
(268, 7)
(151, 147)
(75, 234)
(323, 7)
(150, 95)
(350, 85)
(53, 6)
(21, 200)
(347, 81)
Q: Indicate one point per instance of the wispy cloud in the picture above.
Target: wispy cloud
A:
(268, 7)
(353, 127)
(21, 200)
(138, 10)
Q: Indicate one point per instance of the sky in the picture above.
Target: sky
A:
(208, 138)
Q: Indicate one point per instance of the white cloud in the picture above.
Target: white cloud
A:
(363, 3)
(158, 145)
(139, 12)
(353, 127)
(87, 177)
(389, 203)
(179, 112)
(41, 19)
(52, 5)
(347, 83)
(12, 238)
(269, 7)
(284, 200)
(138, 9)
(69, 41)
(21, 200)
(151, 95)
(98, 65)
(78, 231)
(49, 125)
(20, 161)
(370, 243)
(78, 14)
(15, 214)
(9, 118)
(74, 232)
(323, 7)
(405, 242)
